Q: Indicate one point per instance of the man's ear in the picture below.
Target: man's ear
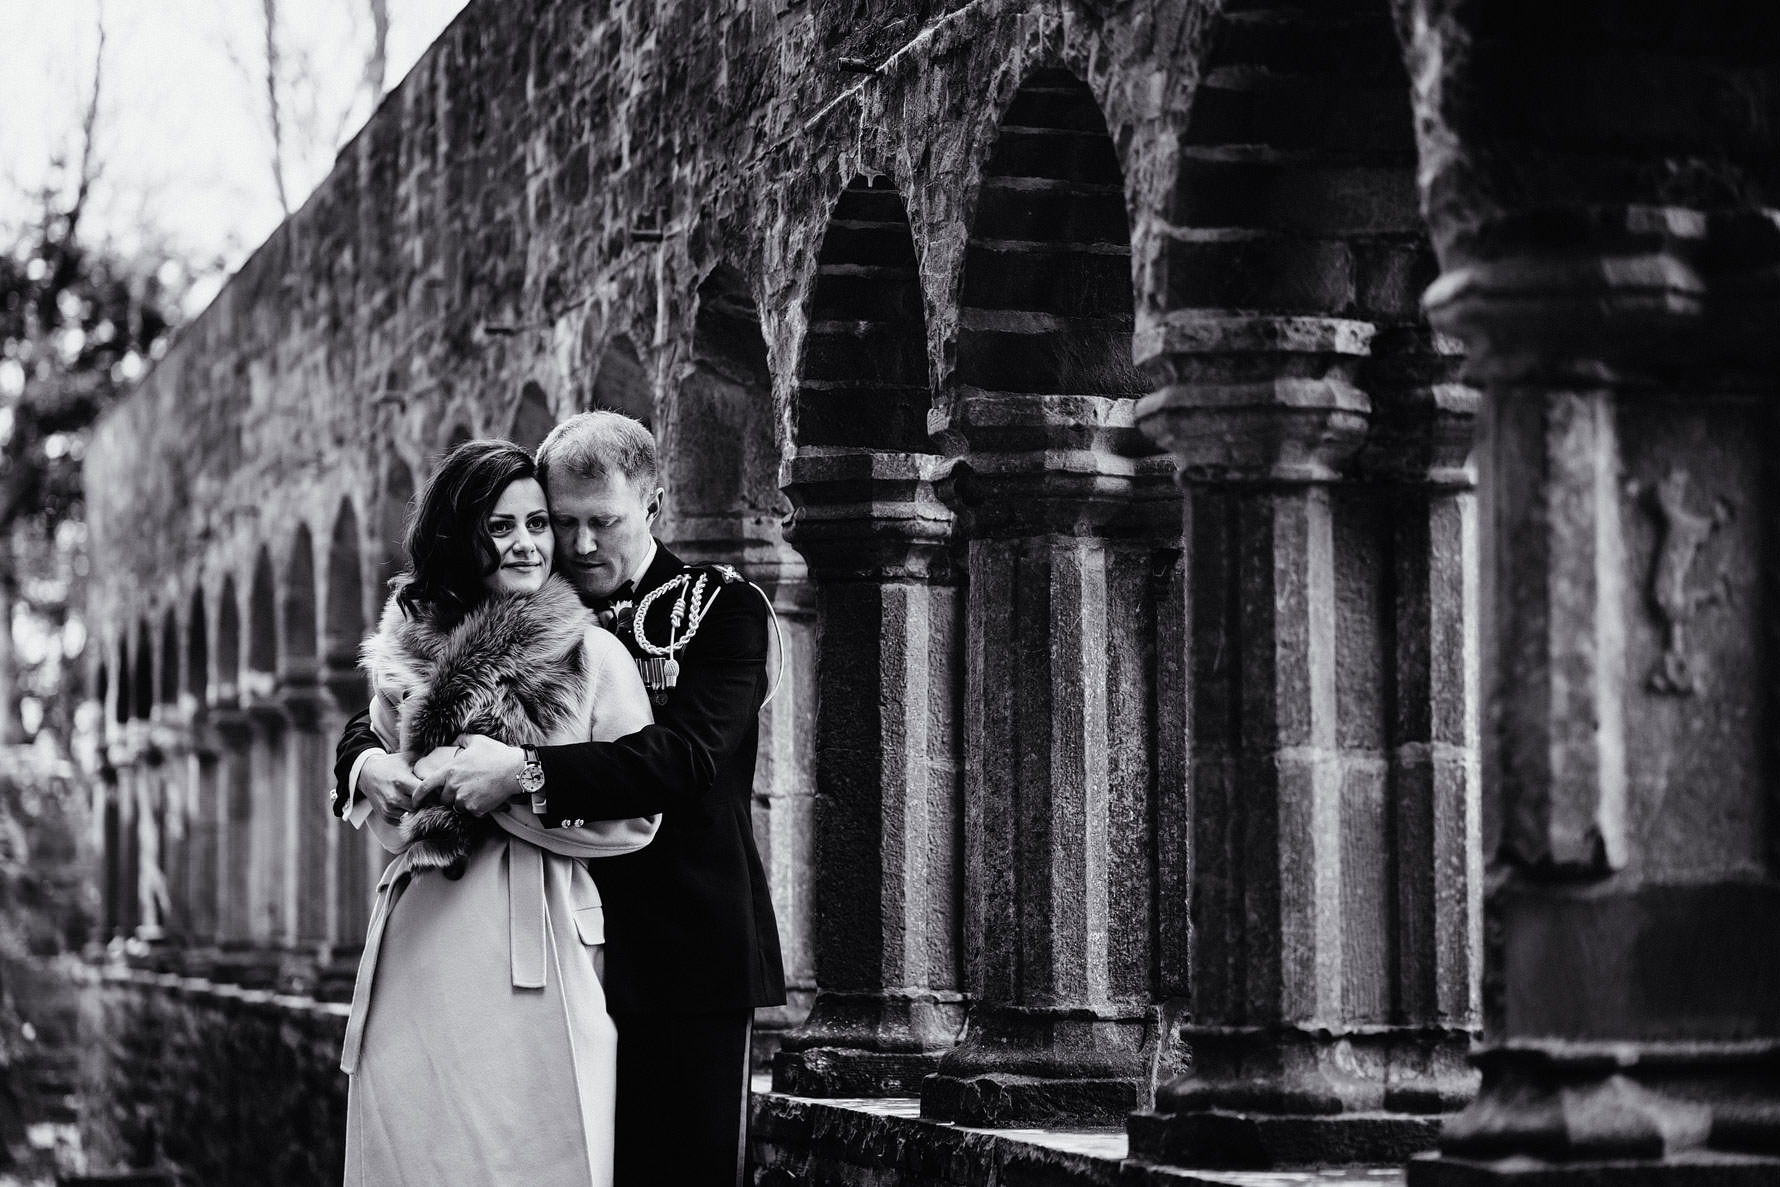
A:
(655, 502)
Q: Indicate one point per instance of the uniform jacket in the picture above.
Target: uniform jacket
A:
(689, 923)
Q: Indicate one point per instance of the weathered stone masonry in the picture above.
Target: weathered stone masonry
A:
(1060, 370)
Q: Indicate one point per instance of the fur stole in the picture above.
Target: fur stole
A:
(513, 669)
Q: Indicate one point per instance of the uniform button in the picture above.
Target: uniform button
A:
(579, 823)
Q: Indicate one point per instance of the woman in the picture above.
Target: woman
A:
(479, 1045)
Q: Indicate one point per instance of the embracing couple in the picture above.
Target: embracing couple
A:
(565, 954)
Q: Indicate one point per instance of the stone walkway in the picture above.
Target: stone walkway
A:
(875, 1135)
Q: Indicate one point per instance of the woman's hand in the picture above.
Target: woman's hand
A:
(387, 782)
(479, 776)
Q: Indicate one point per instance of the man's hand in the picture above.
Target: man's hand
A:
(387, 782)
(478, 776)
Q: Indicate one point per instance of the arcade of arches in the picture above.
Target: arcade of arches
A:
(1097, 390)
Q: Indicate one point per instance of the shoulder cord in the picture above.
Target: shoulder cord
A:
(691, 618)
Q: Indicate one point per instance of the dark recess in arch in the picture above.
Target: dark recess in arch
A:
(532, 420)
(864, 378)
(1046, 307)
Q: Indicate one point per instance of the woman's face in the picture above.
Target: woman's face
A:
(519, 525)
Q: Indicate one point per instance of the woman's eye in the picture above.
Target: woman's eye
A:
(539, 524)
(499, 529)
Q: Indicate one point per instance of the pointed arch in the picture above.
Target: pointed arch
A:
(120, 705)
(864, 376)
(262, 617)
(532, 419)
(1046, 304)
(226, 690)
(621, 382)
(142, 694)
(169, 658)
(345, 607)
(722, 459)
(301, 637)
(197, 649)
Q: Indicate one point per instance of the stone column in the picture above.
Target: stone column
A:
(1333, 796)
(887, 808)
(204, 773)
(351, 856)
(1617, 306)
(1073, 541)
(309, 883)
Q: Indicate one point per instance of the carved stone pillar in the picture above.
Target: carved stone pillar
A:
(1332, 773)
(1073, 541)
(1617, 303)
(203, 830)
(309, 885)
(887, 808)
(233, 811)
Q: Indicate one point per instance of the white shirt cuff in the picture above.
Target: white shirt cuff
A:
(360, 811)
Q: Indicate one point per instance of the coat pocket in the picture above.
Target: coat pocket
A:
(590, 923)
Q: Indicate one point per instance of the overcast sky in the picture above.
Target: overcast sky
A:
(183, 136)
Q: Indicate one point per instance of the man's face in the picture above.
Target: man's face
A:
(602, 529)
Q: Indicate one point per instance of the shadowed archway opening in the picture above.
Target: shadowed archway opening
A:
(622, 383)
(720, 456)
(169, 658)
(864, 378)
(300, 637)
(1046, 306)
(262, 627)
(345, 613)
(142, 697)
(532, 419)
(227, 689)
(197, 651)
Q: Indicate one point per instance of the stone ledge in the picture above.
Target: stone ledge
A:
(872, 1142)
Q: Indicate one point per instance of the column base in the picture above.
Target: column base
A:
(1215, 1138)
(849, 1072)
(1026, 1066)
(1003, 1101)
(868, 1044)
(1692, 1168)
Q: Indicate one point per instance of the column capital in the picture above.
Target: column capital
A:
(1067, 465)
(1258, 399)
(863, 513)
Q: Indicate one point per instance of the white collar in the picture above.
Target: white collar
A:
(636, 578)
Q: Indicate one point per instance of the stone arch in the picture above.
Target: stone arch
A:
(532, 419)
(721, 458)
(226, 689)
(864, 376)
(301, 637)
(1046, 305)
(142, 691)
(621, 383)
(197, 650)
(120, 705)
(262, 619)
(345, 606)
(170, 656)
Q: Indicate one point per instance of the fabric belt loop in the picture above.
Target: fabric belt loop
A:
(525, 914)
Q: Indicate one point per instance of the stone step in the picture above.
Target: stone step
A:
(1248, 106)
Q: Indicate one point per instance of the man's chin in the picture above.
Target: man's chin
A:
(588, 585)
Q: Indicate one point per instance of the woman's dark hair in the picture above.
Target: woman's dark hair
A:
(447, 543)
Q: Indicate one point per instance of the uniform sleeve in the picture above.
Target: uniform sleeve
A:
(355, 739)
(671, 765)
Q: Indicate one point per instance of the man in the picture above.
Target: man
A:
(692, 946)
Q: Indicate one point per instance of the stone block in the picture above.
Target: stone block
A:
(1256, 1140)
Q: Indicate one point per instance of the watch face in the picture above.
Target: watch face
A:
(531, 777)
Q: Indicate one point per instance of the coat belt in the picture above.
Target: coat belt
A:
(527, 941)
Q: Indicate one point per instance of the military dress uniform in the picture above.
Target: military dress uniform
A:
(692, 945)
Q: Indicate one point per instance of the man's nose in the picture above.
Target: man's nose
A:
(585, 543)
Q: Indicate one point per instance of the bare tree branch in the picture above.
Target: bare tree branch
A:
(89, 124)
(274, 108)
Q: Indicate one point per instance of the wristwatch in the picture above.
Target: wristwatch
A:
(531, 778)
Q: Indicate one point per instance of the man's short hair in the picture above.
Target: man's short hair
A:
(598, 444)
